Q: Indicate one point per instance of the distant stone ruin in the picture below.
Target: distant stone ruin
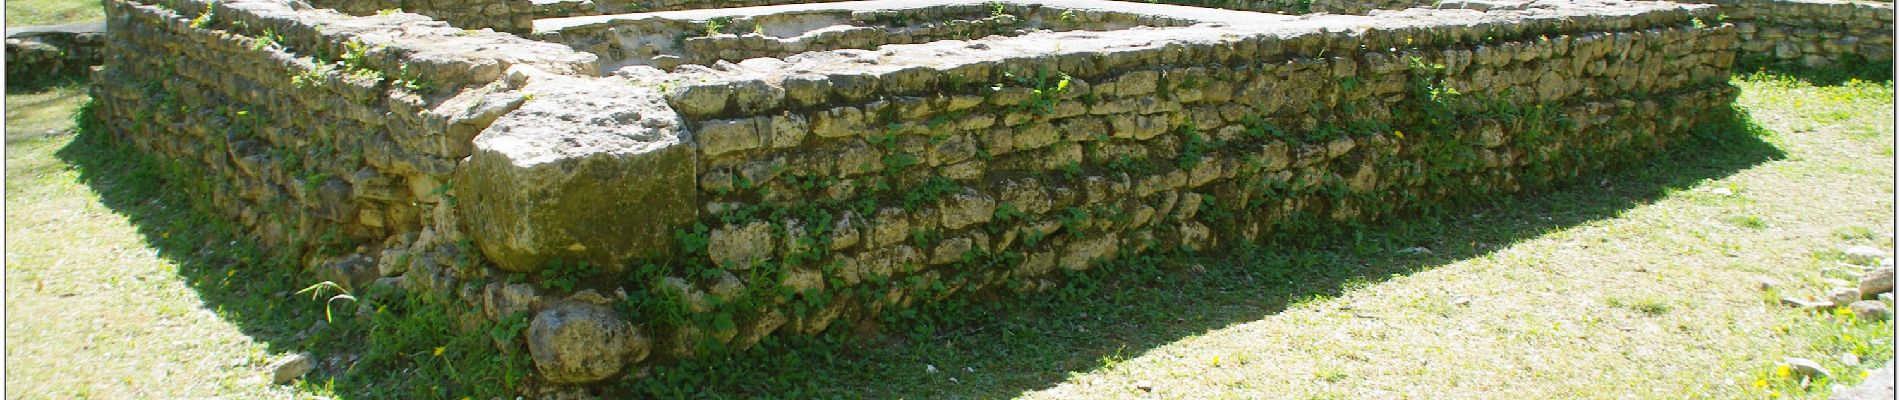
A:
(659, 185)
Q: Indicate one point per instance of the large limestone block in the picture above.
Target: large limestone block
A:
(585, 170)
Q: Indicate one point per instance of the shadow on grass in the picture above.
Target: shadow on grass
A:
(975, 349)
(1003, 349)
(376, 346)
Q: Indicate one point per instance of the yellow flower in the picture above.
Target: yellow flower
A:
(438, 351)
(1782, 371)
(1396, 132)
(1761, 383)
(1863, 373)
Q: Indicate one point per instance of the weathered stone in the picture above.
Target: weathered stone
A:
(288, 369)
(1864, 255)
(1877, 281)
(580, 343)
(737, 247)
(1806, 368)
(1797, 302)
(599, 175)
(1870, 310)
(1844, 295)
(965, 209)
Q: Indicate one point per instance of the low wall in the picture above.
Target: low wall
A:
(39, 54)
(838, 185)
(326, 134)
(1812, 33)
(636, 214)
(515, 16)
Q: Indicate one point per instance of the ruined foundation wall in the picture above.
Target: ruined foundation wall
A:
(659, 214)
(515, 16)
(841, 185)
(1812, 33)
(318, 131)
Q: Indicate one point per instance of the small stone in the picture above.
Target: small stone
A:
(1768, 284)
(1844, 295)
(292, 367)
(1414, 250)
(1864, 255)
(1870, 310)
(1876, 282)
(574, 342)
(1806, 368)
(1805, 304)
(1722, 191)
(1885, 298)
(1850, 359)
(737, 247)
(1145, 385)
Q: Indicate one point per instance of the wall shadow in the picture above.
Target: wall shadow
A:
(979, 348)
(1005, 348)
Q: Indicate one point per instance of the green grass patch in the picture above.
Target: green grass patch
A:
(52, 12)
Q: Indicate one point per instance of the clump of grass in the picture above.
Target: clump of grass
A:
(1747, 221)
(1856, 233)
(1647, 305)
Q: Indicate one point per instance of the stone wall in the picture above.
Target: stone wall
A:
(638, 214)
(40, 54)
(840, 184)
(324, 133)
(1296, 7)
(516, 16)
(1812, 33)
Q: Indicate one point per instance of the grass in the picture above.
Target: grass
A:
(1639, 283)
(52, 12)
(156, 299)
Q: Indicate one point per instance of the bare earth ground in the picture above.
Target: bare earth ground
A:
(1658, 299)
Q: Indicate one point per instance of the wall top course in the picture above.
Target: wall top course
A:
(435, 49)
(1236, 34)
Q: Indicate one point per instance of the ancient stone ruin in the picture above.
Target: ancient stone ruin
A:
(654, 185)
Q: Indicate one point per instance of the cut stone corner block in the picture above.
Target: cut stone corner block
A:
(586, 169)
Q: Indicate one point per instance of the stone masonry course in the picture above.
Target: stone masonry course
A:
(654, 186)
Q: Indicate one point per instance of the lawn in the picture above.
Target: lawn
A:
(1641, 283)
(52, 12)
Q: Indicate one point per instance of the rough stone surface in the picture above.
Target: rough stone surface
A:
(1806, 368)
(1871, 310)
(1877, 281)
(1844, 295)
(580, 343)
(1879, 385)
(1864, 255)
(599, 173)
(288, 369)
